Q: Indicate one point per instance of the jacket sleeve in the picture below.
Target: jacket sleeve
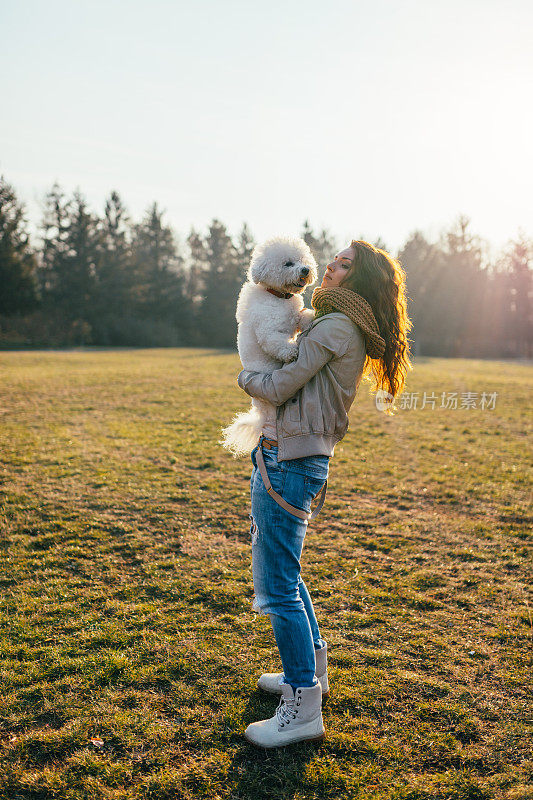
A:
(316, 349)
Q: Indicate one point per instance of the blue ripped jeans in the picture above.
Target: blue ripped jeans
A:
(277, 541)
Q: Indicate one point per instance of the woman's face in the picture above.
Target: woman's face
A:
(337, 269)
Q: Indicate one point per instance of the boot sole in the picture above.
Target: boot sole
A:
(318, 738)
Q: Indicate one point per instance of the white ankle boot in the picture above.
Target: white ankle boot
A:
(272, 681)
(298, 717)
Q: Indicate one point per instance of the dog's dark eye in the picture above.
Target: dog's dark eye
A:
(289, 264)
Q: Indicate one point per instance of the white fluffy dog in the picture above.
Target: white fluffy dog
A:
(270, 312)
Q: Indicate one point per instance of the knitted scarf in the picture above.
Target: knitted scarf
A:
(339, 298)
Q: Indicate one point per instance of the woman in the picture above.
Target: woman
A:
(360, 327)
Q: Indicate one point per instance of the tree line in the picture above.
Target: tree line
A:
(107, 280)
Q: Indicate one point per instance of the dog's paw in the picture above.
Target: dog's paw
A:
(305, 318)
(288, 353)
(303, 326)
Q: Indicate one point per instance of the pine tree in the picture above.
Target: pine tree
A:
(70, 250)
(115, 269)
(111, 312)
(245, 246)
(309, 237)
(194, 284)
(446, 282)
(223, 280)
(158, 268)
(54, 226)
(77, 289)
(323, 248)
(462, 279)
(422, 262)
(18, 280)
(518, 260)
(197, 269)
(68, 263)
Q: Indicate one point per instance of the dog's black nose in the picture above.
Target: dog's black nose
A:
(304, 271)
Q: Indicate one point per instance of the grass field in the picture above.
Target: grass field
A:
(130, 652)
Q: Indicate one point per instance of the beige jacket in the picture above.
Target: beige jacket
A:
(314, 393)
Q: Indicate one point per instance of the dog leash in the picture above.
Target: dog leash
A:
(279, 499)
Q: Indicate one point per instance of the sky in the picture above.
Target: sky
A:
(371, 119)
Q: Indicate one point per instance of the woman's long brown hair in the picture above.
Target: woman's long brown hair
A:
(380, 279)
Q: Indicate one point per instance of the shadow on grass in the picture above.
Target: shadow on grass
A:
(276, 773)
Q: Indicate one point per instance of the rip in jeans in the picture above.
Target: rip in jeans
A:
(254, 533)
(254, 530)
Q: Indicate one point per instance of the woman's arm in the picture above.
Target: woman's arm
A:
(326, 340)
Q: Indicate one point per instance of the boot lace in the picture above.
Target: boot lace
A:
(286, 711)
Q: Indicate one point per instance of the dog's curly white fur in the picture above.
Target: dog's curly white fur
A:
(268, 324)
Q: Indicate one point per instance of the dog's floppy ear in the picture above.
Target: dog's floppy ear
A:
(257, 270)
